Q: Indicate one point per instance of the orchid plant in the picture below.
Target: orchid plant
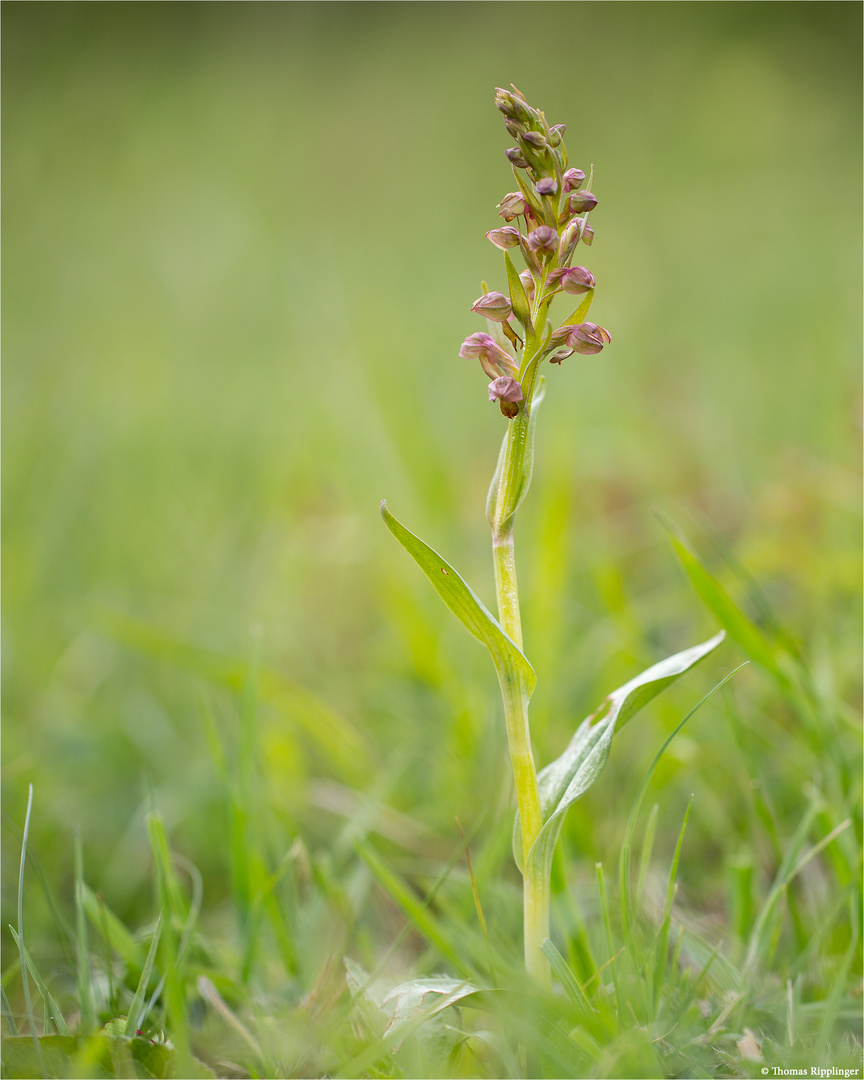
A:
(550, 210)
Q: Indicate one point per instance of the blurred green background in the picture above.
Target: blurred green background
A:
(241, 244)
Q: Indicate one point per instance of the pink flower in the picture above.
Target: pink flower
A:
(573, 179)
(543, 239)
(505, 237)
(512, 205)
(505, 388)
(508, 393)
(587, 338)
(493, 359)
(494, 305)
(573, 279)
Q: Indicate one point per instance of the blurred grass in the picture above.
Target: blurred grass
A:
(241, 241)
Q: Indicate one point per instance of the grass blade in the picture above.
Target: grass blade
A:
(624, 860)
(413, 908)
(55, 1013)
(662, 948)
(171, 901)
(6, 1009)
(28, 1005)
(103, 919)
(715, 597)
(610, 941)
(566, 977)
(141, 989)
(332, 733)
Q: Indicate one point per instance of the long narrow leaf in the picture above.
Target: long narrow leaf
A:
(465, 604)
(518, 296)
(580, 313)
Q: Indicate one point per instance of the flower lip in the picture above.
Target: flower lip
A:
(477, 345)
(493, 359)
(505, 388)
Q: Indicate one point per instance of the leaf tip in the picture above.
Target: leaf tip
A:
(382, 507)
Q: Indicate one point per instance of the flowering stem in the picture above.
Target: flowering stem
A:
(511, 484)
(550, 201)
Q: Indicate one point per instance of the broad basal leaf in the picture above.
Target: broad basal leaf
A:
(568, 777)
(415, 1002)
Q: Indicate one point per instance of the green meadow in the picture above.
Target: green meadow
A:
(241, 245)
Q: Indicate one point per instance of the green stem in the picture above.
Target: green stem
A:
(511, 483)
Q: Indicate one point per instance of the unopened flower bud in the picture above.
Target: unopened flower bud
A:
(493, 359)
(508, 393)
(514, 128)
(512, 205)
(505, 237)
(582, 201)
(573, 179)
(547, 186)
(527, 279)
(573, 279)
(588, 338)
(513, 105)
(536, 139)
(555, 133)
(493, 305)
(543, 239)
(516, 158)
